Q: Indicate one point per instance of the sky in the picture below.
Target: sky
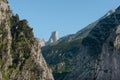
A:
(64, 16)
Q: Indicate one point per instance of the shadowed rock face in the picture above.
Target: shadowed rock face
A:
(20, 54)
(99, 56)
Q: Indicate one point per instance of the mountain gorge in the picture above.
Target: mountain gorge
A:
(20, 54)
(90, 54)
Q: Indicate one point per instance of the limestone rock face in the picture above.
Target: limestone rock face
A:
(20, 53)
(6, 38)
(53, 38)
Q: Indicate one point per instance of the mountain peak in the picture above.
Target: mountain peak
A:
(54, 37)
(118, 10)
(109, 13)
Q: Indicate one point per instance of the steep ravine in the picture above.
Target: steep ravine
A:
(20, 54)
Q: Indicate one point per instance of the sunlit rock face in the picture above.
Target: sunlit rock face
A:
(20, 51)
(53, 38)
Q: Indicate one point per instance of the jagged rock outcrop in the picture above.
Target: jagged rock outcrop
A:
(53, 38)
(42, 42)
(91, 53)
(20, 54)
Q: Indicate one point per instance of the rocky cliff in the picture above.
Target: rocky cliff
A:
(90, 54)
(53, 38)
(99, 52)
(20, 54)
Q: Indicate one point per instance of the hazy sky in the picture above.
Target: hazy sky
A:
(64, 16)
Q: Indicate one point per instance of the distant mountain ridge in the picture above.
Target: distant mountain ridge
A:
(88, 54)
(85, 31)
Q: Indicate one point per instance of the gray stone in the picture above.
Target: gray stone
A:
(53, 38)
